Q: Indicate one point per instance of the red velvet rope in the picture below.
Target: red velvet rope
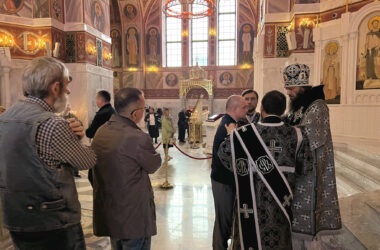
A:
(157, 146)
(192, 157)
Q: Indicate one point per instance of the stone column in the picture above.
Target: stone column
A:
(211, 104)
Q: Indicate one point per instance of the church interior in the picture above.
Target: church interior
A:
(180, 61)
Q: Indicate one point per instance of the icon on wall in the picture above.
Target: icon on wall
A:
(97, 15)
(130, 11)
(368, 62)
(225, 78)
(171, 80)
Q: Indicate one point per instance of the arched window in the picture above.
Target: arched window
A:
(226, 32)
(199, 38)
(173, 40)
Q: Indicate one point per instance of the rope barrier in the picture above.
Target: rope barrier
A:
(157, 146)
(192, 157)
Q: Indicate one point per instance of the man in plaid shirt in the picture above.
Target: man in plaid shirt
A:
(40, 152)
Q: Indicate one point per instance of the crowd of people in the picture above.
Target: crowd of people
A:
(272, 175)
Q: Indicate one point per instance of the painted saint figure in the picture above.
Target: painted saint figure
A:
(153, 45)
(10, 5)
(132, 47)
(372, 45)
(116, 62)
(98, 17)
(331, 75)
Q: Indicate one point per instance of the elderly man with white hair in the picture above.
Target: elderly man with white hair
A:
(40, 152)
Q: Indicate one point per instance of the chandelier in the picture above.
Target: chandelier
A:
(181, 8)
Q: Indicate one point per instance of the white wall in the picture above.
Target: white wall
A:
(357, 119)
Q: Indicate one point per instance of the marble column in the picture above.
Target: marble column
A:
(211, 104)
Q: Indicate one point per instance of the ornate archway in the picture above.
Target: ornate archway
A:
(197, 80)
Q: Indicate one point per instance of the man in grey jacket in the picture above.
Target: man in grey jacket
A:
(38, 156)
(124, 206)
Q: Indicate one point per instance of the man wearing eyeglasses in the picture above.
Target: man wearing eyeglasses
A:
(124, 206)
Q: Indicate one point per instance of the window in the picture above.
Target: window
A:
(173, 41)
(199, 38)
(227, 32)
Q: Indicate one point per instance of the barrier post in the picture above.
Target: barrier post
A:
(166, 184)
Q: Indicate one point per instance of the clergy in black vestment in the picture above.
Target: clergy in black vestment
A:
(263, 182)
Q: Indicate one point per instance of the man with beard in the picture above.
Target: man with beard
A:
(40, 151)
(251, 97)
(315, 204)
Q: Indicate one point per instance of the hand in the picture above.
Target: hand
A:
(77, 127)
(230, 127)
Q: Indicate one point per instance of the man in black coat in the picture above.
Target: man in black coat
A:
(222, 180)
(182, 125)
(103, 99)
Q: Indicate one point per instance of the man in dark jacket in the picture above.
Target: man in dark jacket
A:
(123, 196)
(221, 179)
(182, 125)
(103, 99)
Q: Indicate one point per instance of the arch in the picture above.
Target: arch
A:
(187, 85)
(361, 14)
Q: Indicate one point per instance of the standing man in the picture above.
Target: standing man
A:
(315, 204)
(221, 179)
(124, 206)
(153, 123)
(269, 149)
(251, 97)
(182, 125)
(103, 99)
(39, 152)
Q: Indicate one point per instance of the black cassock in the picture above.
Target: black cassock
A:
(263, 160)
(182, 125)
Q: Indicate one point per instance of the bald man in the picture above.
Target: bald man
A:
(222, 180)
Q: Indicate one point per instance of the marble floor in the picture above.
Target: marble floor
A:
(185, 214)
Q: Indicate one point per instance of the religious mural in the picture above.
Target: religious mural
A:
(269, 42)
(331, 73)
(97, 15)
(225, 78)
(11, 6)
(130, 11)
(171, 80)
(304, 33)
(368, 61)
(41, 8)
(246, 40)
(117, 59)
(115, 13)
(153, 47)
(57, 10)
(132, 47)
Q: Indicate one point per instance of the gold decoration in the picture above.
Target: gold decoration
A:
(347, 5)
(317, 20)
(332, 45)
(370, 23)
(186, 85)
(195, 124)
(166, 184)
